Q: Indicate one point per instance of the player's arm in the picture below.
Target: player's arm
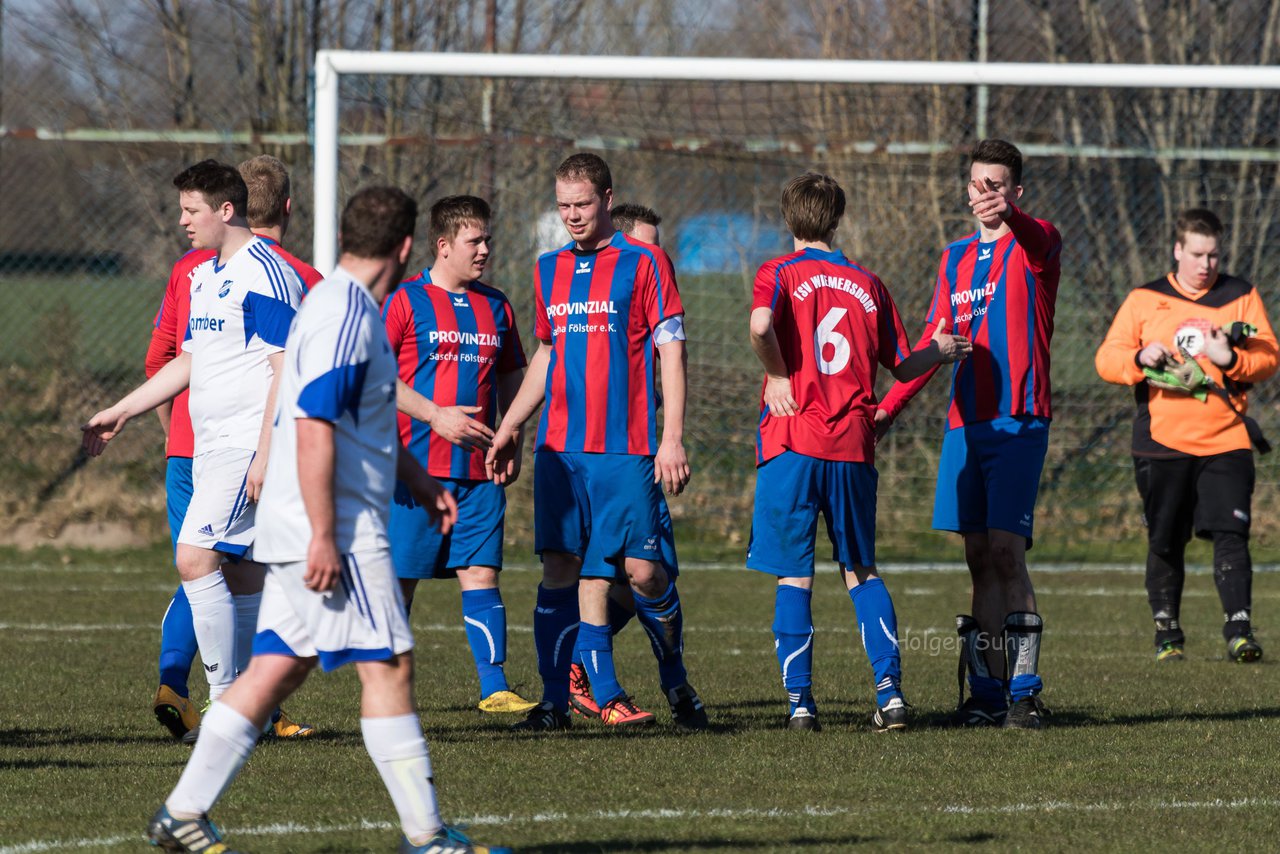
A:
(671, 465)
(258, 468)
(509, 384)
(1042, 244)
(316, 461)
(1122, 354)
(902, 393)
(441, 506)
(942, 349)
(777, 382)
(1254, 359)
(163, 346)
(454, 424)
(165, 385)
(500, 461)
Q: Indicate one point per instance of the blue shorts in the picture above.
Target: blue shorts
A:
(989, 475)
(601, 508)
(177, 494)
(791, 490)
(419, 550)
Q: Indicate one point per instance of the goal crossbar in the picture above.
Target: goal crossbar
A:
(331, 64)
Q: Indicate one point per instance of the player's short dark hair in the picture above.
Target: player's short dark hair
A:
(217, 182)
(812, 205)
(626, 215)
(451, 213)
(1001, 153)
(268, 181)
(376, 221)
(584, 166)
(1197, 221)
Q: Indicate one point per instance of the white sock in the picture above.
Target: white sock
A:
(246, 627)
(226, 740)
(213, 614)
(399, 751)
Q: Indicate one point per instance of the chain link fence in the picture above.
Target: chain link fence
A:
(89, 229)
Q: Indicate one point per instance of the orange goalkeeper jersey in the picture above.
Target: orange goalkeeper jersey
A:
(1171, 423)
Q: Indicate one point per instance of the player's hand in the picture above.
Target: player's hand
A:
(1217, 346)
(1155, 355)
(324, 565)
(502, 462)
(951, 348)
(778, 397)
(256, 475)
(441, 506)
(671, 467)
(882, 423)
(987, 204)
(455, 425)
(102, 428)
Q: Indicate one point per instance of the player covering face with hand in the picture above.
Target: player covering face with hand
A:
(997, 287)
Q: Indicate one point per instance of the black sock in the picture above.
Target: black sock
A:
(1233, 575)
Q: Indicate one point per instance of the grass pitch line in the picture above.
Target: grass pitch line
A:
(295, 829)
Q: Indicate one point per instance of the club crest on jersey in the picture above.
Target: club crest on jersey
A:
(583, 267)
(225, 289)
(1190, 336)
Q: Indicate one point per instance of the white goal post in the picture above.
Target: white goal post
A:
(331, 64)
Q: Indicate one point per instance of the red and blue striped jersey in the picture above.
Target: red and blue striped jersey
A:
(1001, 295)
(170, 326)
(598, 309)
(835, 323)
(451, 348)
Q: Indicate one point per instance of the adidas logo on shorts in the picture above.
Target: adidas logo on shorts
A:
(207, 530)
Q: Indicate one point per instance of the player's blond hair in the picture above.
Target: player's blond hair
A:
(268, 181)
(584, 166)
(812, 205)
(450, 214)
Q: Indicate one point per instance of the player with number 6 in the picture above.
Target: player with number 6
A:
(820, 325)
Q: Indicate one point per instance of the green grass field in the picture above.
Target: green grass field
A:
(1179, 756)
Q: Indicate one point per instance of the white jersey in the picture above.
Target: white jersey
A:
(339, 368)
(240, 314)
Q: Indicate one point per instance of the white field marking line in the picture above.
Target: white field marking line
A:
(293, 828)
(82, 568)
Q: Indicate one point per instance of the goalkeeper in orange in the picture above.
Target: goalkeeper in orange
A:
(1192, 344)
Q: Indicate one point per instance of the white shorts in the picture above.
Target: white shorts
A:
(361, 619)
(220, 516)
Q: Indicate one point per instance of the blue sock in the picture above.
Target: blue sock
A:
(618, 619)
(595, 645)
(987, 690)
(878, 626)
(486, 622)
(1024, 685)
(555, 632)
(793, 641)
(664, 623)
(177, 643)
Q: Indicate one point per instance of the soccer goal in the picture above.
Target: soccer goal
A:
(1113, 152)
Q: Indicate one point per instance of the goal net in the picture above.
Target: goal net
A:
(1112, 154)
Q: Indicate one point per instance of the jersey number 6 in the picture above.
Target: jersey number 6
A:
(825, 335)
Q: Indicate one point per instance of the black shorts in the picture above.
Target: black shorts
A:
(1194, 494)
